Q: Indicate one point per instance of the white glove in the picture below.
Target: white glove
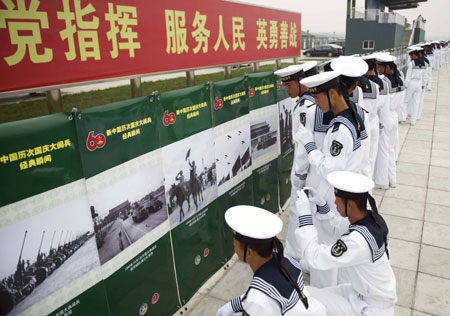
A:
(303, 136)
(315, 197)
(302, 206)
(225, 310)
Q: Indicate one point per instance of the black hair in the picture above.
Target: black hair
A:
(263, 250)
(342, 89)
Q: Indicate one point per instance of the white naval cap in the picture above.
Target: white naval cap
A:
(369, 57)
(350, 185)
(350, 66)
(309, 68)
(385, 58)
(291, 72)
(252, 224)
(321, 82)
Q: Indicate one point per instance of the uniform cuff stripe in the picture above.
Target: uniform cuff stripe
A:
(309, 147)
(305, 220)
(324, 209)
(236, 305)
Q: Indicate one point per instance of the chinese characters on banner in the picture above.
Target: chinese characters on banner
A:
(46, 43)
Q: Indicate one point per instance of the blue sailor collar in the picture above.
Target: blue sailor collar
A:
(381, 84)
(396, 83)
(368, 88)
(354, 96)
(270, 280)
(419, 64)
(322, 120)
(346, 118)
(303, 98)
(372, 233)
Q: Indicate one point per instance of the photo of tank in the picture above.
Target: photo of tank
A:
(45, 253)
(190, 176)
(233, 153)
(127, 210)
(263, 133)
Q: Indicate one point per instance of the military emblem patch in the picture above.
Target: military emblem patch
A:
(336, 148)
(338, 248)
(303, 118)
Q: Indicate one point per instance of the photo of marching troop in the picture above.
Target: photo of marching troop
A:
(44, 253)
(190, 176)
(263, 133)
(285, 109)
(127, 210)
(233, 153)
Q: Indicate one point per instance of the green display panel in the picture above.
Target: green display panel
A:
(183, 113)
(198, 249)
(285, 161)
(146, 284)
(265, 186)
(262, 90)
(115, 133)
(281, 92)
(230, 100)
(37, 155)
(90, 302)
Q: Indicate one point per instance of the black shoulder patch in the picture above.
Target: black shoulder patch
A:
(244, 313)
(336, 148)
(335, 127)
(303, 118)
(338, 248)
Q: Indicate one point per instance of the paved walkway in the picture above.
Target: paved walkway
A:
(417, 212)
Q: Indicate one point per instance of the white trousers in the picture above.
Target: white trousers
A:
(342, 300)
(392, 132)
(413, 98)
(380, 174)
(374, 140)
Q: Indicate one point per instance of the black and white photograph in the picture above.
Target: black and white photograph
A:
(233, 153)
(263, 133)
(127, 210)
(285, 112)
(190, 175)
(44, 253)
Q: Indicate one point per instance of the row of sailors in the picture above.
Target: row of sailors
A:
(345, 126)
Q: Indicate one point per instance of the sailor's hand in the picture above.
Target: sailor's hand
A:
(225, 310)
(302, 206)
(303, 136)
(314, 196)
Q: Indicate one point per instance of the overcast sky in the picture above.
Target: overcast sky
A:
(329, 16)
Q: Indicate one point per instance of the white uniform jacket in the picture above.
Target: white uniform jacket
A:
(360, 254)
(270, 293)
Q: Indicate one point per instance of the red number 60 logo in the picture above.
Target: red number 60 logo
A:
(94, 142)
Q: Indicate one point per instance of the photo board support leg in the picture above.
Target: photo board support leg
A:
(54, 102)
(256, 67)
(190, 78)
(278, 63)
(295, 60)
(227, 70)
(136, 87)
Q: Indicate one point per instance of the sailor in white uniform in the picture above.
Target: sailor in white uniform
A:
(422, 56)
(277, 287)
(415, 82)
(351, 71)
(360, 252)
(374, 101)
(303, 114)
(388, 71)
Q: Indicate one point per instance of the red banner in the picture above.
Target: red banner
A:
(48, 43)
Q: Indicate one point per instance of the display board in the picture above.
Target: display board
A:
(119, 209)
